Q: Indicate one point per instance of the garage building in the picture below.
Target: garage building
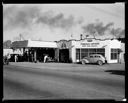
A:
(71, 50)
(35, 50)
(78, 49)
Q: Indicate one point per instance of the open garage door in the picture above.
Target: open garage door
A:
(41, 52)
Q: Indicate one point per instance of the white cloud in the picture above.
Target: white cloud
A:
(56, 21)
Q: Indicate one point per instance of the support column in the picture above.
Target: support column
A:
(80, 53)
(35, 56)
(28, 54)
(24, 56)
(57, 54)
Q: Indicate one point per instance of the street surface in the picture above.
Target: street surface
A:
(63, 81)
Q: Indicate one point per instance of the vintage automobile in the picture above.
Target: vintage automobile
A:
(5, 60)
(94, 58)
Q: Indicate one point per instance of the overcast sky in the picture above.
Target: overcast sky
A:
(50, 22)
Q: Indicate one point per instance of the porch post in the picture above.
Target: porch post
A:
(80, 53)
(35, 59)
(57, 54)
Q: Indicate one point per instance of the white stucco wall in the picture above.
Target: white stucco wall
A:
(6, 51)
(114, 44)
(73, 54)
(18, 51)
(107, 44)
(122, 53)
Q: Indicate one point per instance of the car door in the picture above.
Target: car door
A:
(91, 59)
(96, 58)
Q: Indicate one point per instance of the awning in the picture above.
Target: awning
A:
(30, 43)
(43, 44)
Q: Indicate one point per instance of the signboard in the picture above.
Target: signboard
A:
(89, 40)
(63, 44)
(90, 44)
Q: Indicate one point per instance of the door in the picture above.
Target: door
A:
(64, 55)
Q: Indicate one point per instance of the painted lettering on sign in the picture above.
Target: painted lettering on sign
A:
(89, 44)
(63, 46)
(89, 40)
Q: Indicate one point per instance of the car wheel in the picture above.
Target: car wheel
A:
(100, 62)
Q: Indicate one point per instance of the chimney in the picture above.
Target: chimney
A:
(81, 36)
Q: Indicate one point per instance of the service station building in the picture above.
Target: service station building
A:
(70, 50)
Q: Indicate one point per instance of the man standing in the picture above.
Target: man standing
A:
(15, 58)
(45, 58)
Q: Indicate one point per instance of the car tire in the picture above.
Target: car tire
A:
(100, 62)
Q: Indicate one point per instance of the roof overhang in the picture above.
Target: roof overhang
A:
(19, 44)
(30, 43)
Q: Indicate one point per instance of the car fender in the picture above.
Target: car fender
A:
(86, 60)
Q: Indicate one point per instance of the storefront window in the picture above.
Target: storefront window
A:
(92, 50)
(84, 55)
(103, 54)
(114, 54)
(84, 50)
(100, 51)
(88, 51)
(97, 51)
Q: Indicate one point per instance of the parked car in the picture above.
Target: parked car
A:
(94, 58)
(5, 60)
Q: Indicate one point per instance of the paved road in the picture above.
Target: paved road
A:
(34, 83)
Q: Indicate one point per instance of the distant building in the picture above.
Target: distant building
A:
(7, 51)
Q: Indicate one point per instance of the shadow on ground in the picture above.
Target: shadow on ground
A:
(116, 72)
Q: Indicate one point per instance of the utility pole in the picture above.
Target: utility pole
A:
(113, 32)
(81, 36)
(20, 37)
(94, 34)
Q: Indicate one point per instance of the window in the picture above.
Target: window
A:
(114, 54)
(91, 56)
(84, 53)
(95, 56)
(84, 50)
(88, 51)
(100, 51)
(92, 50)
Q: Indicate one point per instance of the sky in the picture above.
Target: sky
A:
(53, 22)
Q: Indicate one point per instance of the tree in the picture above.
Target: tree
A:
(119, 33)
(7, 44)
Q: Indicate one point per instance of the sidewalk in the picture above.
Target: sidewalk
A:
(70, 66)
(62, 66)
